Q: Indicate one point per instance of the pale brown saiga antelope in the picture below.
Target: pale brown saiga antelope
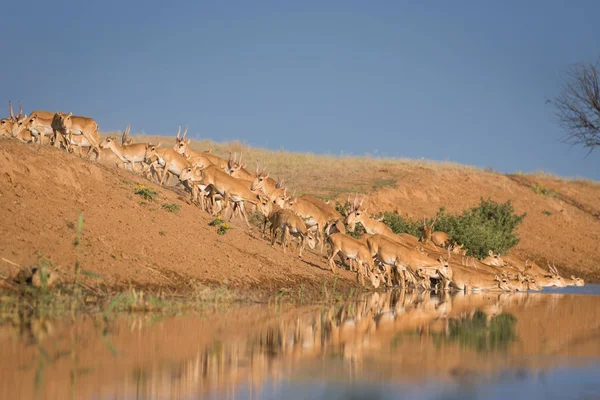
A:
(170, 161)
(6, 124)
(543, 278)
(69, 125)
(314, 218)
(358, 214)
(493, 259)
(237, 169)
(286, 221)
(458, 249)
(574, 281)
(521, 282)
(10, 125)
(224, 184)
(131, 154)
(354, 250)
(403, 258)
(331, 214)
(37, 126)
(267, 186)
(182, 146)
(466, 279)
(440, 239)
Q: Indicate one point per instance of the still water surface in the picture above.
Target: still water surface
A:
(385, 346)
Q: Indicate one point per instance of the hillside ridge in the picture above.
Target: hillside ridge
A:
(131, 241)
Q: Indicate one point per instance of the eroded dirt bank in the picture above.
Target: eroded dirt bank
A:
(128, 240)
(131, 241)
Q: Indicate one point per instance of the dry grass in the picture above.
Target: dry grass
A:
(331, 176)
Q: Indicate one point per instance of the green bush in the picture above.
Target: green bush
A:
(399, 224)
(488, 226)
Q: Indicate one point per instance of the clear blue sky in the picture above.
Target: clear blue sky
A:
(464, 81)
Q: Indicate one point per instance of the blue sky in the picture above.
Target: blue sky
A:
(463, 81)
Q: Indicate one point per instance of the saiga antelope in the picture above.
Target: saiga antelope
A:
(268, 186)
(227, 186)
(493, 260)
(129, 154)
(352, 249)
(68, 125)
(312, 215)
(182, 146)
(467, 280)
(403, 258)
(440, 239)
(289, 224)
(168, 159)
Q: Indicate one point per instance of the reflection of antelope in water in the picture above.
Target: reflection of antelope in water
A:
(355, 331)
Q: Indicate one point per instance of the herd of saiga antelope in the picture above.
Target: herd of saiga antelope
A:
(220, 185)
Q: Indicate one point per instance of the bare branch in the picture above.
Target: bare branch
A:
(577, 107)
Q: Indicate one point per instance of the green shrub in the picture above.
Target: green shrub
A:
(546, 213)
(488, 226)
(399, 224)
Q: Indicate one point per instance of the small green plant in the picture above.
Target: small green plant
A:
(171, 207)
(222, 229)
(162, 233)
(223, 226)
(546, 213)
(544, 191)
(145, 192)
(217, 221)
